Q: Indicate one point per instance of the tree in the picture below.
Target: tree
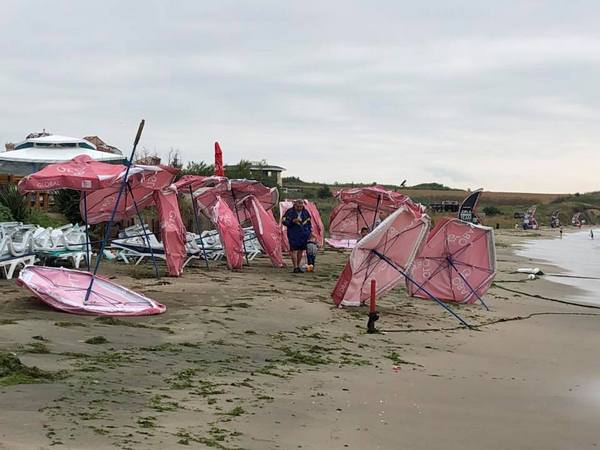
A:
(197, 168)
(240, 170)
(324, 192)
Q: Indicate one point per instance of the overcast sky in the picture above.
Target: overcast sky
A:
(500, 95)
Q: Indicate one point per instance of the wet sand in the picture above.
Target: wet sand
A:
(261, 360)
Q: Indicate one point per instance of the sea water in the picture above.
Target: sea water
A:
(578, 257)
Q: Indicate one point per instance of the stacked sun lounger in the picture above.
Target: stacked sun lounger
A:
(134, 243)
(23, 244)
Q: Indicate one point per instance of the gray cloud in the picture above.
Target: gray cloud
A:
(460, 92)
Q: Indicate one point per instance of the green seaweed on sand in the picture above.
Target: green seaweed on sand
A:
(13, 371)
(109, 320)
(146, 422)
(68, 324)
(160, 404)
(37, 347)
(311, 358)
(182, 379)
(96, 340)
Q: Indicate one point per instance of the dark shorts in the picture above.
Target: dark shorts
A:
(297, 246)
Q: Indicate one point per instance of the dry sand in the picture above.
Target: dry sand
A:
(261, 360)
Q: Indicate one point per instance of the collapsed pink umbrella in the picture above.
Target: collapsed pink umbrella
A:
(233, 192)
(457, 263)
(348, 219)
(172, 230)
(360, 208)
(219, 169)
(142, 182)
(397, 239)
(385, 256)
(266, 229)
(66, 289)
(373, 197)
(318, 229)
(146, 186)
(230, 232)
(82, 173)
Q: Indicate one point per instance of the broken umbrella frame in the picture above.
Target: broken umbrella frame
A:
(123, 184)
(409, 278)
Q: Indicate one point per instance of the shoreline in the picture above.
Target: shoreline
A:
(261, 359)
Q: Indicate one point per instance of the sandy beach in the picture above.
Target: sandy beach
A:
(260, 359)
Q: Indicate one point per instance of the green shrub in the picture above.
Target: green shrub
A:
(16, 203)
(5, 214)
(491, 211)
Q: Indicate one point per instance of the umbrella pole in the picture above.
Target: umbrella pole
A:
(467, 283)
(376, 211)
(433, 297)
(197, 223)
(114, 211)
(146, 237)
(237, 214)
(87, 232)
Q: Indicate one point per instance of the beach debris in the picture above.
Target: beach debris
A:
(530, 270)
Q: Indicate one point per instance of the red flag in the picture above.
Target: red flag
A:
(219, 170)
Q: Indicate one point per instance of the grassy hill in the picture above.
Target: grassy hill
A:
(507, 203)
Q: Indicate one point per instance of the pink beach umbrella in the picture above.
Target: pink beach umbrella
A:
(457, 263)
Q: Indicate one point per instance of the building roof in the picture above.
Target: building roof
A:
(263, 165)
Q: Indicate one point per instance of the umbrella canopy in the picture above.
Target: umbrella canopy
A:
(172, 230)
(81, 173)
(347, 219)
(233, 192)
(266, 229)
(373, 197)
(230, 232)
(190, 181)
(457, 264)
(144, 180)
(391, 246)
(66, 289)
(219, 169)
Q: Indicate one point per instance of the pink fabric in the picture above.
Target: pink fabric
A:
(219, 169)
(317, 223)
(230, 232)
(398, 238)
(373, 197)
(227, 190)
(172, 230)
(65, 290)
(267, 230)
(144, 181)
(342, 243)
(82, 173)
(347, 219)
(360, 207)
(470, 248)
(184, 183)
